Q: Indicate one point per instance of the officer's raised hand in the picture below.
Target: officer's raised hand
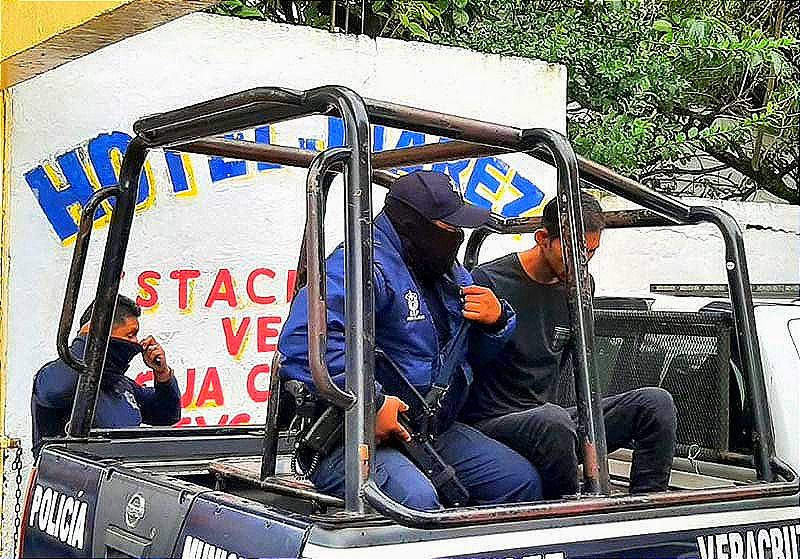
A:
(154, 357)
(386, 424)
(481, 305)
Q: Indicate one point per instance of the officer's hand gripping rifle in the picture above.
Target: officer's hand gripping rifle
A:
(418, 421)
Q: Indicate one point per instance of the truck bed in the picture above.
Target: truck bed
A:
(153, 502)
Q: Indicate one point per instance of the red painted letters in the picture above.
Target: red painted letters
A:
(222, 290)
(183, 277)
(265, 333)
(256, 394)
(148, 296)
(234, 340)
(251, 292)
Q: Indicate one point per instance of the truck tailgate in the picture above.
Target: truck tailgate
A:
(223, 525)
(61, 507)
(140, 514)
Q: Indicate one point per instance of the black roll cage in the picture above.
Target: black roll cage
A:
(196, 128)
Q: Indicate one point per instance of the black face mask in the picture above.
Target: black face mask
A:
(429, 250)
(119, 355)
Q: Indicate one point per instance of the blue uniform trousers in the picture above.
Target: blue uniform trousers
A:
(491, 472)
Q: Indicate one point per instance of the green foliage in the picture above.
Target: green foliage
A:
(306, 12)
(416, 16)
(659, 81)
(239, 8)
(406, 19)
(655, 86)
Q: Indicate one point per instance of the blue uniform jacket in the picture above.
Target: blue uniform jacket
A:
(404, 328)
(125, 405)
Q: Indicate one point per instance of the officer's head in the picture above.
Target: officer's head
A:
(428, 212)
(548, 237)
(125, 325)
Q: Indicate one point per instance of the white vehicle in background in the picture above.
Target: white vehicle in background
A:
(777, 317)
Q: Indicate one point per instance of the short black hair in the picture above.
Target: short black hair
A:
(592, 216)
(126, 308)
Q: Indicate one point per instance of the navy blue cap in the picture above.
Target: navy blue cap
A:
(436, 196)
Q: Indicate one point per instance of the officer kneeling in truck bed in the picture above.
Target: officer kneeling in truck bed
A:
(122, 402)
(431, 323)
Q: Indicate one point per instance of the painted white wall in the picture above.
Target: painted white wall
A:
(630, 260)
(239, 224)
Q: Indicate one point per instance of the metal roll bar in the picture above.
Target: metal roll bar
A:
(591, 427)
(268, 105)
(487, 514)
(76, 275)
(186, 129)
(613, 220)
(251, 151)
(294, 157)
(269, 448)
(746, 336)
(269, 453)
(485, 138)
(359, 307)
(88, 388)
(258, 106)
(317, 291)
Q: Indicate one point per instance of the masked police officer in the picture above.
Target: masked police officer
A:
(122, 402)
(422, 299)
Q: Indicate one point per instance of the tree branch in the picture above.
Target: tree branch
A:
(682, 171)
(788, 168)
(762, 178)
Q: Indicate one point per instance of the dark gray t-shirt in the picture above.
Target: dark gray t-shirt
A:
(525, 373)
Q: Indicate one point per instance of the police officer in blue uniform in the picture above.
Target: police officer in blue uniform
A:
(122, 402)
(423, 297)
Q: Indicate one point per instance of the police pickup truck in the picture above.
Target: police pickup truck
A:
(230, 492)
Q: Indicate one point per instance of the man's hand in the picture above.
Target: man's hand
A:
(153, 356)
(386, 424)
(481, 305)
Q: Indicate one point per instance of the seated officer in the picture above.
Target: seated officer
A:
(122, 402)
(422, 297)
(510, 398)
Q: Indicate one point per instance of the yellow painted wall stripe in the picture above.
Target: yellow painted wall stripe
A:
(27, 23)
(5, 221)
(38, 36)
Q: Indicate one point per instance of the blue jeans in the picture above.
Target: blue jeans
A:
(644, 418)
(491, 472)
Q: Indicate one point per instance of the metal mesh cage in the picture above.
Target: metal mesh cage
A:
(687, 354)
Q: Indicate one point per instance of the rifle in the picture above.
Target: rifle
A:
(327, 432)
(419, 422)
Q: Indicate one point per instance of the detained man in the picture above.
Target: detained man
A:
(510, 399)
